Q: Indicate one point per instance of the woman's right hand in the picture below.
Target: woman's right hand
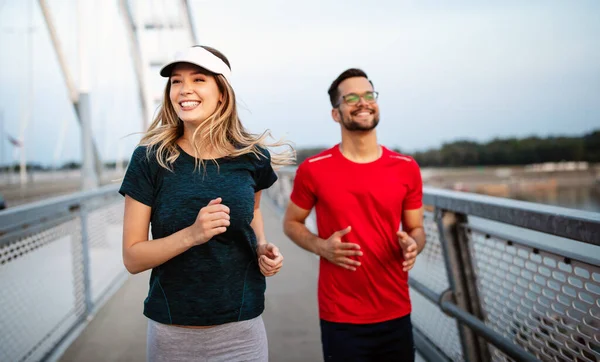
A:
(213, 219)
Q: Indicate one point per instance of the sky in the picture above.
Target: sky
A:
(444, 70)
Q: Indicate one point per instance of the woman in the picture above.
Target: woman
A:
(197, 177)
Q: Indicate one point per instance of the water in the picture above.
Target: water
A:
(577, 197)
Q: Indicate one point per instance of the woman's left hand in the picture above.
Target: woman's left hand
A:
(270, 259)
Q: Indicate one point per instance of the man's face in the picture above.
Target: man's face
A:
(364, 114)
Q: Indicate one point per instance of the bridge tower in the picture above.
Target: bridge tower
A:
(156, 29)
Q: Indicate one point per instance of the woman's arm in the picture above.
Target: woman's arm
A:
(140, 254)
(270, 259)
(257, 223)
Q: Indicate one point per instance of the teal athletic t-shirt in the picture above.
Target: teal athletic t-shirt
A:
(216, 282)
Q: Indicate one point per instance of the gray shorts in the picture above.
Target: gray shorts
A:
(236, 341)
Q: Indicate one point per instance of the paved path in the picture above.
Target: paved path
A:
(118, 331)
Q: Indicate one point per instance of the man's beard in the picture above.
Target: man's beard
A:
(352, 125)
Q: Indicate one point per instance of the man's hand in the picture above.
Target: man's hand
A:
(409, 250)
(270, 259)
(338, 252)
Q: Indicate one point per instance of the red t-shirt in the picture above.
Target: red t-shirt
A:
(369, 197)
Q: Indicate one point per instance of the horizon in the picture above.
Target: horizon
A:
(324, 147)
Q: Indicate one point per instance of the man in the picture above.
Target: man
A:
(369, 212)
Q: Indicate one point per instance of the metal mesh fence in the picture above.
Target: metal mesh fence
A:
(280, 192)
(42, 276)
(436, 326)
(105, 227)
(430, 270)
(41, 295)
(546, 303)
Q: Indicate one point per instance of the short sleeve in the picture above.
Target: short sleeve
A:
(139, 180)
(264, 176)
(303, 193)
(414, 196)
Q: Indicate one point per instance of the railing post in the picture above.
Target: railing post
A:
(85, 250)
(470, 280)
(461, 277)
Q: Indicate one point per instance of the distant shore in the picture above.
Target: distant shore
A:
(506, 181)
(494, 181)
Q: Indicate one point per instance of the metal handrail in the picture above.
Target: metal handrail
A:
(574, 224)
(505, 345)
(31, 214)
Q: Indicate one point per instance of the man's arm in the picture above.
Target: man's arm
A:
(295, 228)
(412, 237)
(332, 249)
(412, 224)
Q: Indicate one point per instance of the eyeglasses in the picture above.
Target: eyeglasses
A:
(353, 98)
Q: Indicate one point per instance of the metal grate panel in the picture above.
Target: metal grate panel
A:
(430, 269)
(546, 303)
(42, 290)
(427, 317)
(436, 326)
(43, 279)
(105, 232)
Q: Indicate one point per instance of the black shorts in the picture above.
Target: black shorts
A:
(385, 341)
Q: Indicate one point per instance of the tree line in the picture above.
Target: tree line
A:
(501, 151)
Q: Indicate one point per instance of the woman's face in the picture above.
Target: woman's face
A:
(194, 93)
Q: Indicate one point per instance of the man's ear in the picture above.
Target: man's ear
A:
(335, 114)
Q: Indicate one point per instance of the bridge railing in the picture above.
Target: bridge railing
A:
(498, 280)
(60, 259)
(501, 279)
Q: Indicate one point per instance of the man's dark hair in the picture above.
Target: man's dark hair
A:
(334, 93)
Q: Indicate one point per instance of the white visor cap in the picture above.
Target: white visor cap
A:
(201, 57)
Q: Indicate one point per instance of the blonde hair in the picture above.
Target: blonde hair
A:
(219, 132)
